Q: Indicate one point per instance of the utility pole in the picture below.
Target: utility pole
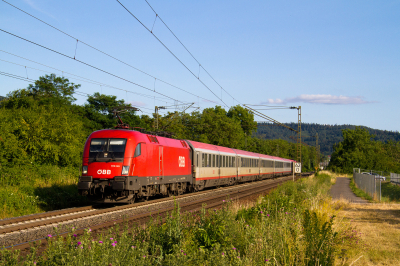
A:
(156, 109)
(317, 150)
(298, 137)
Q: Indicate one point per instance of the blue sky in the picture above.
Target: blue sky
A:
(339, 60)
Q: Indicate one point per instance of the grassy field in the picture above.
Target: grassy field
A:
(32, 189)
(293, 225)
(377, 227)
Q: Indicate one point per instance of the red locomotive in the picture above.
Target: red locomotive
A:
(121, 165)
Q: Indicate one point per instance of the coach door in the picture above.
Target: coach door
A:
(161, 161)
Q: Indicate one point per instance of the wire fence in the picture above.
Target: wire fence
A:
(395, 178)
(369, 181)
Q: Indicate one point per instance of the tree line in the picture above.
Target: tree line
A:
(328, 135)
(359, 149)
(41, 124)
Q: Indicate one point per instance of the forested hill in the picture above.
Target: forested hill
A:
(328, 135)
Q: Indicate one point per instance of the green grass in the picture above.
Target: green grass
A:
(390, 192)
(32, 189)
(290, 226)
(359, 192)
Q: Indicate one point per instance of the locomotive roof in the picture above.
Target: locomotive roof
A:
(138, 136)
(215, 148)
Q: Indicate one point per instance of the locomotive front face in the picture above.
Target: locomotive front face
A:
(106, 157)
(106, 164)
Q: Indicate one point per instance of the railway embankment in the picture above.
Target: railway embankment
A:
(293, 225)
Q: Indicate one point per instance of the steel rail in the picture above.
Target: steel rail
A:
(211, 202)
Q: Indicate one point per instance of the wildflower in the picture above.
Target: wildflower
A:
(75, 235)
(268, 215)
(285, 212)
(90, 230)
(223, 253)
(100, 242)
(79, 243)
(234, 248)
(81, 246)
(261, 212)
(49, 235)
(223, 201)
(34, 262)
(111, 238)
(184, 254)
(113, 244)
(144, 256)
(133, 246)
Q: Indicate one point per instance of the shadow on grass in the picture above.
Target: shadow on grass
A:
(390, 191)
(60, 197)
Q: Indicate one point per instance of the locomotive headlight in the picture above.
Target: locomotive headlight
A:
(125, 170)
(84, 169)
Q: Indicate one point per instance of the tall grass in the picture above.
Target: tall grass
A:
(291, 226)
(31, 189)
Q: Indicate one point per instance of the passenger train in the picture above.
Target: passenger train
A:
(121, 165)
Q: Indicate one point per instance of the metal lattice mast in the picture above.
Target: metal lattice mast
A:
(298, 136)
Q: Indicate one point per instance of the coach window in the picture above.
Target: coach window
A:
(203, 161)
(234, 161)
(213, 160)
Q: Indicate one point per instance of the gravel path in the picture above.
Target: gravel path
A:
(341, 189)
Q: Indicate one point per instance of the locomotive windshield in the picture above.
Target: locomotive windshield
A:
(104, 150)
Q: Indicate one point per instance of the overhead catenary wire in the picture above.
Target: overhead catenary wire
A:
(171, 52)
(80, 78)
(84, 63)
(100, 51)
(200, 65)
(84, 94)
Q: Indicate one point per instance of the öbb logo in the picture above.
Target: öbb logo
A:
(181, 161)
(103, 172)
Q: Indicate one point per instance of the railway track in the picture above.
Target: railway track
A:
(21, 232)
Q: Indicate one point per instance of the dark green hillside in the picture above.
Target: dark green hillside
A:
(328, 134)
(2, 98)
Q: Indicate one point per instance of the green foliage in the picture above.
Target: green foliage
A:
(359, 150)
(320, 238)
(28, 189)
(211, 229)
(49, 89)
(245, 118)
(390, 192)
(328, 135)
(359, 192)
(42, 135)
(216, 237)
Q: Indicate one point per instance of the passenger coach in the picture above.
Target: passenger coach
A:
(121, 165)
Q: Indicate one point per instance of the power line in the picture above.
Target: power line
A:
(200, 65)
(89, 65)
(84, 79)
(31, 80)
(100, 51)
(171, 52)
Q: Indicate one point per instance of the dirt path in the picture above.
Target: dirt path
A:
(341, 190)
